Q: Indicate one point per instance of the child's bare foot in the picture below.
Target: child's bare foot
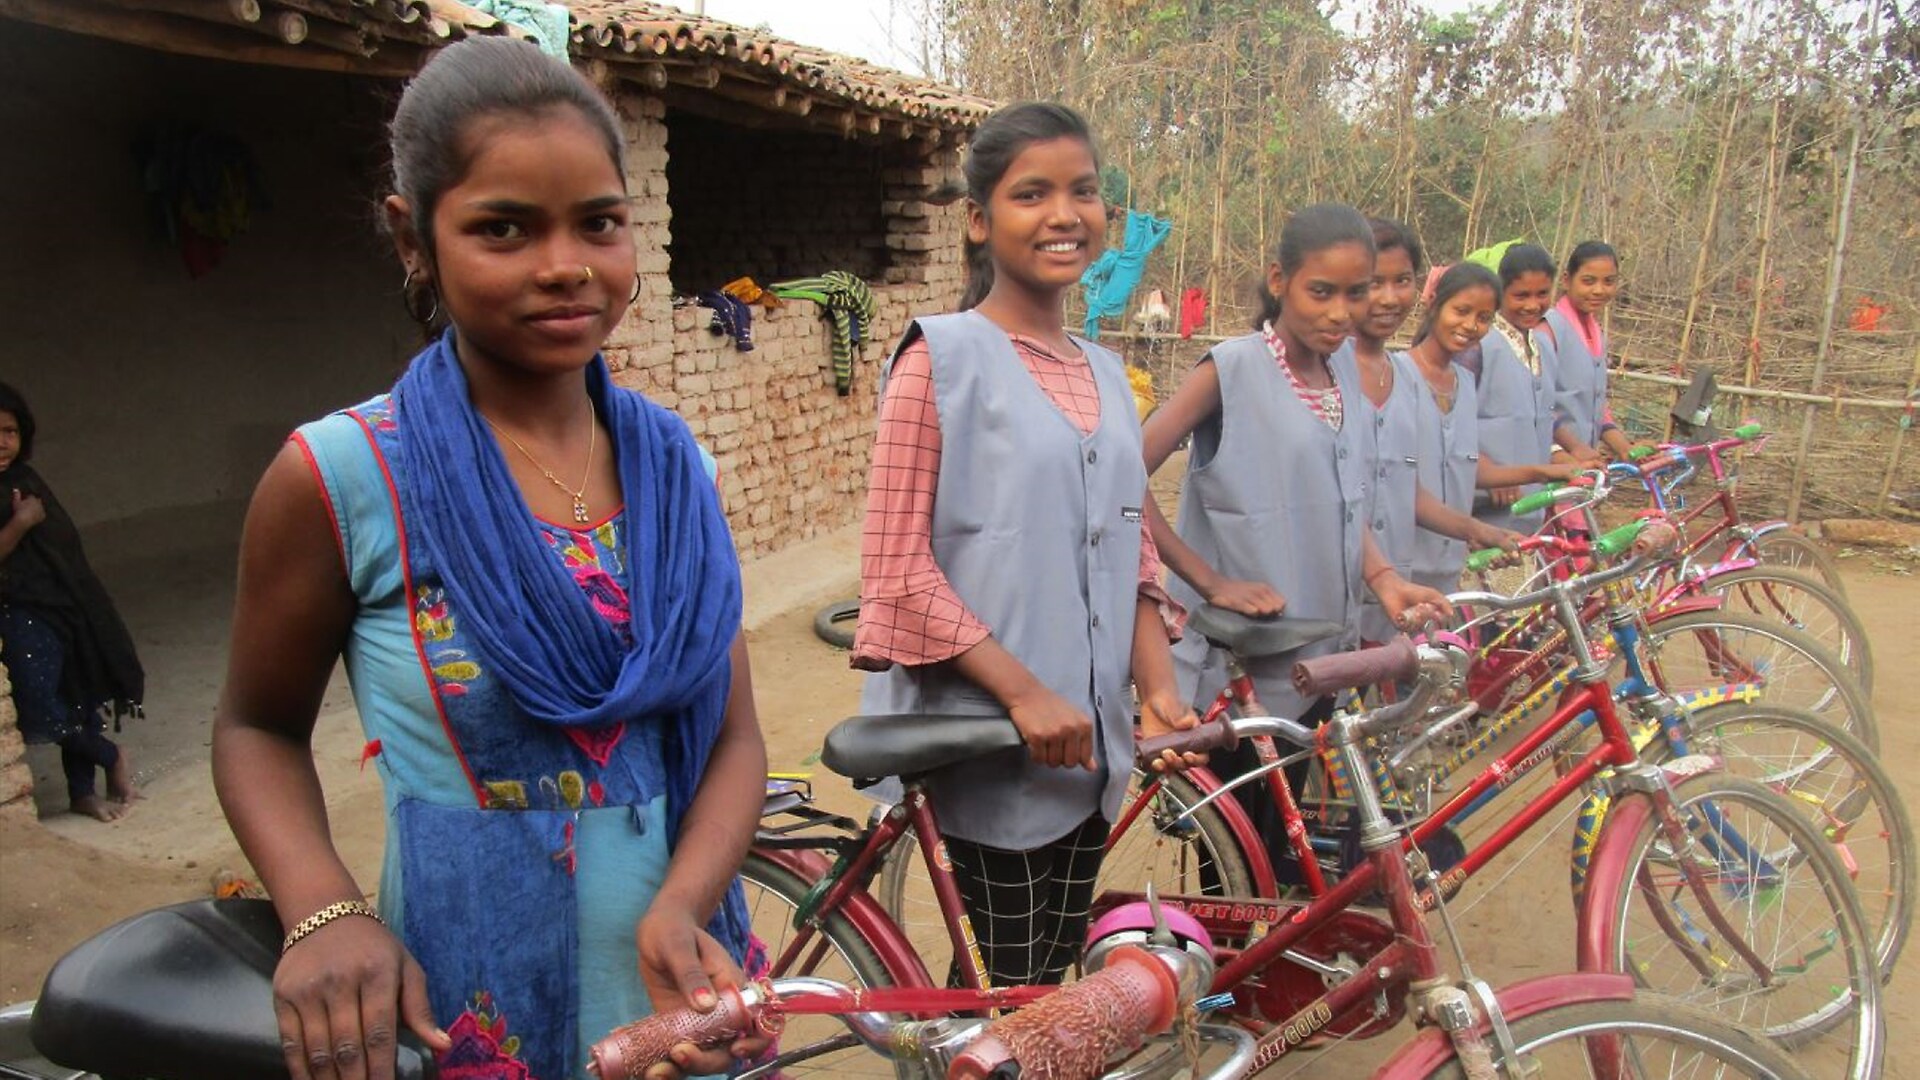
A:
(98, 808)
(120, 780)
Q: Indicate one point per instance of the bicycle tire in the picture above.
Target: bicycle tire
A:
(1650, 919)
(1698, 650)
(1705, 1041)
(1220, 869)
(1795, 551)
(1842, 788)
(1802, 602)
(829, 623)
(774, 893)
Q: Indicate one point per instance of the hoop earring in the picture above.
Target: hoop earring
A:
(635, 298)
(408, 301)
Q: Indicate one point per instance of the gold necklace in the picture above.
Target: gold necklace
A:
(579, 496)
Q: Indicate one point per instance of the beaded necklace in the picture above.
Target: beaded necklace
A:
(1324, 403)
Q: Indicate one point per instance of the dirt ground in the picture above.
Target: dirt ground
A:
(64, 878)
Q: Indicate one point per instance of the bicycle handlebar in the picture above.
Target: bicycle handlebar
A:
(1658, 537)
(629, 1051)
(1199, 739)
(1392, 662)
(1076, 1030)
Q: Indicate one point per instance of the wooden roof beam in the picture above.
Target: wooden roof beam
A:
(214, 41)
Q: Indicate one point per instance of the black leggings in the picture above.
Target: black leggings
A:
(80, 754)
(1258, 800)
(1029, 909)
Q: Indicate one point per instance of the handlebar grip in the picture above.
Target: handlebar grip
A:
(1639, 452)
(1747, 430)
(1620, 539)
(1074, 1032)
(1483, 558)
(1323, 675)
(629, 1051)
(1545, 497)
(1198, 739)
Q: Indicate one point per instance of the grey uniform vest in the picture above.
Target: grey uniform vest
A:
(1449, 459)
(1038, 529)
(1272, 494)
(1516, 417)
(1579, 379)
(1390, 437)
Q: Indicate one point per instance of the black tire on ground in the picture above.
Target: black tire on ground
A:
(834, 623)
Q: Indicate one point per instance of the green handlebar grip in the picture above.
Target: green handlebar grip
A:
(1747, 431)
(1482, 559)
(1640, 452)
(1620, 539)
(1540, 500)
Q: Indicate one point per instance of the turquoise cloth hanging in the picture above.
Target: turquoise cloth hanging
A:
(550, 24)
(1110, 281)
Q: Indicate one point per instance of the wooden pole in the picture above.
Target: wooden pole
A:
(1219, 217)
(1836, 268)
(1705, 254)
(1765, 270)
(1899, 439)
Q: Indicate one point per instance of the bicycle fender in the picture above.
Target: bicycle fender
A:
(1244, 833)
(1427, 1050)
(1685, 605)
(865, 913)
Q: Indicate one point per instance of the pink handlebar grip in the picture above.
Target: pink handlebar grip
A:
(629, 1051)
(1366, 667)
(1198, 739)
(1074, 1032)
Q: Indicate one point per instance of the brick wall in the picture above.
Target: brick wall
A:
(793, 453)
(16, 778)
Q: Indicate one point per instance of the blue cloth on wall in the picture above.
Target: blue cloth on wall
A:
(1110, 281)
(550, 24)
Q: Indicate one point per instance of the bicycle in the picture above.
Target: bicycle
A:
(836, 917)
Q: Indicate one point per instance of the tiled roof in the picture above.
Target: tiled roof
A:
(649, 43)
(640, 32)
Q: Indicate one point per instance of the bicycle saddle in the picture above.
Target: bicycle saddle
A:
(865, 747)
(178, 993)
(1245, 635)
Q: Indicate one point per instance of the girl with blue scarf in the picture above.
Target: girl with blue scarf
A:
(528, 574)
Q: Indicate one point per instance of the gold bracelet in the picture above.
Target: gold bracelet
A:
(326, 915)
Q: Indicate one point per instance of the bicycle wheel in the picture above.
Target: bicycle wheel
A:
(1840, 786)
(1697, 650)
(1197, 856)
(1804, 603)
(1793, 551)
(839, 953)
(1641, 1039)
(1776, 892)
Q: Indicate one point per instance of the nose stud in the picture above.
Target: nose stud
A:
(588, 272)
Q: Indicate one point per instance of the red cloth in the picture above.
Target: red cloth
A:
(1193, 308)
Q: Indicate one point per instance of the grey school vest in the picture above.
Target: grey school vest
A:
(1038, 529)
(1579, 379)
(1272, 494)
(1390, 437)
(1449, 459)
(1516, 417)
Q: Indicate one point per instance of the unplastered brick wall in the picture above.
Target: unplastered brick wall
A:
(16, 778)
(793, 452)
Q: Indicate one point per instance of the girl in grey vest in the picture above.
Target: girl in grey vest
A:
(1589, 284)
(1451, 467)
(1004, 567)
(1402, 505)
(1273, 512)
(1516, 381)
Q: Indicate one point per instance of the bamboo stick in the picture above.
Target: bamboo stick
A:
(1836, 268)
(1899, 438)
(1765, 270)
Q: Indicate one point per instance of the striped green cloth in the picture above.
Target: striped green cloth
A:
(844, 299)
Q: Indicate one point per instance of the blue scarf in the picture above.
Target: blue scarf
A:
(561, 661)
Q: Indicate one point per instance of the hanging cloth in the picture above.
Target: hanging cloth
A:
(1110, 281)
(845, 300)
(731, 316)
(1193, 309)
(547, 24)
(748, 291)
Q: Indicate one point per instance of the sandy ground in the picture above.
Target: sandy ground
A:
(65, 878)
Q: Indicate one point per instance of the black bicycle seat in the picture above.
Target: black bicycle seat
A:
(1245, 635)
(179, 993)
(864, 747)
